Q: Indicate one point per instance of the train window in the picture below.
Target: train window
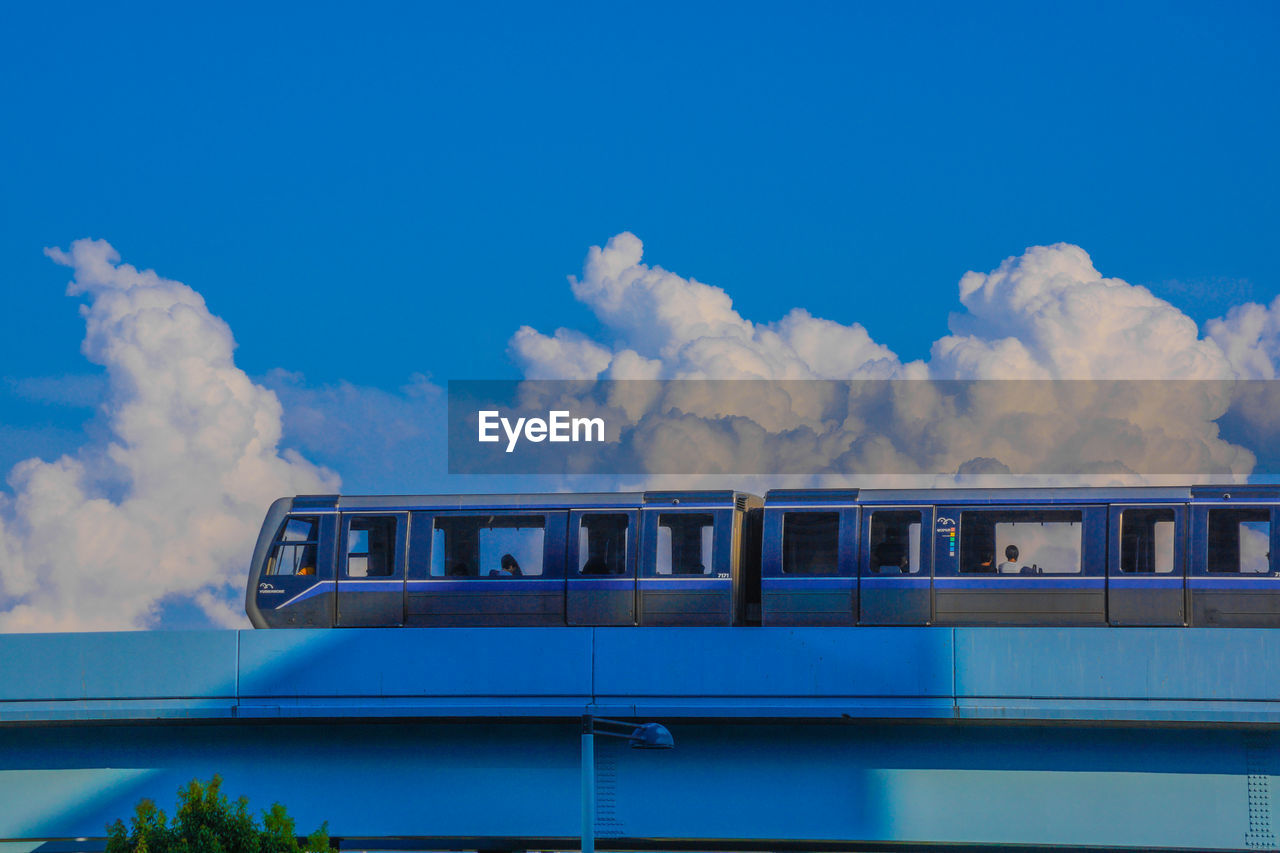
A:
(488, 546)
(295, 550)
(1146, 541)
(895, 542)
(371, 547)
(602, 544)
(811, 543)
(684, 543)
(1240, 541)
(1022, 542)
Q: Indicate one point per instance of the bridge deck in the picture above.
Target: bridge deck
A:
(1085, 674)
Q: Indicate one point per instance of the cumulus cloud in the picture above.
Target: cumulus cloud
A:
(668, 327)
(171, 504)
(1046, 314)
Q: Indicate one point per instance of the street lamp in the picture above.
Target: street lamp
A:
(639, 735)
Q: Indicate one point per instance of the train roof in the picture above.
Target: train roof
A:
(547, 500)
(1072, 494)
(788, 497)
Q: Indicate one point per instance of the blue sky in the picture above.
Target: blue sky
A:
(367, 194)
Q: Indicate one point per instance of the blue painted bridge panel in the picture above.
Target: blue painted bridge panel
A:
(1186, 675)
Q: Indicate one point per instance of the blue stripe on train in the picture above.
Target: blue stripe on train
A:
(1020, 582)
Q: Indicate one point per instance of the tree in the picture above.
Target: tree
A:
(207, 823)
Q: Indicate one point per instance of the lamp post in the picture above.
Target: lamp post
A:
(639, 735)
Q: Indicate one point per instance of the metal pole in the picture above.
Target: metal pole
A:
(588, 785)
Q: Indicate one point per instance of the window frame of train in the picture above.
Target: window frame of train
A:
(679, 598)
(438, 599)
(606, 598)
(793, 594)
(1150, 594)
(896, 598)
(1225, 596)
(366, 600)
(301, 600)
(963, 596)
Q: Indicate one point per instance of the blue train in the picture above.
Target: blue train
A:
(1198, 556)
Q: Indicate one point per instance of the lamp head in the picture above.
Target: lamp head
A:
(652, 736)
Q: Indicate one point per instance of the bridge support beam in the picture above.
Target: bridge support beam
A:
(517, 784)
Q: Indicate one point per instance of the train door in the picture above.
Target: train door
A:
(897, 554)
(371, 571)
(601, 567)
(1146, 565)
(809, 566)
(686, 575)
(487, 568)
(1025, 565)
(1233, 581)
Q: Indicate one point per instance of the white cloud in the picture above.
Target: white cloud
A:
(1250, 337)
(1046, 314)
(1049, 314)
(171, 504)
(666, 326)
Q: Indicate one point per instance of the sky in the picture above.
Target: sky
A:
(345, 208)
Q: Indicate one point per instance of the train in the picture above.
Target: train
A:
(1198, 556)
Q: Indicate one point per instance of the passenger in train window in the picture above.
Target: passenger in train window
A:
(1049, 541)
(488, 546)
(295, 550)
(890, 558)
(895, 542)
(986, 564)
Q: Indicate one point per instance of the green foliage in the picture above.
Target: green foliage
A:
(207, 823)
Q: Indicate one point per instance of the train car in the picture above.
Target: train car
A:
(1199, 556)
(653, 558)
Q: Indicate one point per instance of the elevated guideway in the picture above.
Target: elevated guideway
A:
(860, 738)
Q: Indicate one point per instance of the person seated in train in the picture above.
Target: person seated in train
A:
(307, 570)
(890, 558)
(510, 566)
(987, 563)
(1010, 565)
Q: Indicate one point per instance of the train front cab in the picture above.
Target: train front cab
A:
(1233, 580)
(291, 583)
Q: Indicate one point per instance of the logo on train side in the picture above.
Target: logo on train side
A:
(558, 426)
(268, 588)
